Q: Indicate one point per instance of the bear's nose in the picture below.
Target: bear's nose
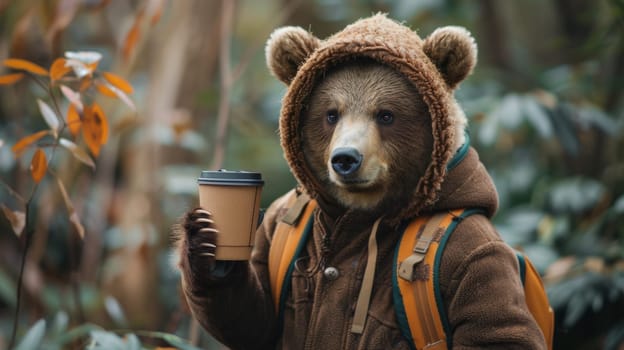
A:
(346, 160)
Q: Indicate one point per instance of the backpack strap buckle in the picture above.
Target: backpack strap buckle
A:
(426, 236)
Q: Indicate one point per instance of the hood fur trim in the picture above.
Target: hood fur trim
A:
(395, 45)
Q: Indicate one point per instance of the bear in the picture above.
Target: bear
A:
(372, 132)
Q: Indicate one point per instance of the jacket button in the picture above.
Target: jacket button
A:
(331, 273)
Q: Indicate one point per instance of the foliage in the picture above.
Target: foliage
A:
(83, 114)
(58, 336)
(555, 154)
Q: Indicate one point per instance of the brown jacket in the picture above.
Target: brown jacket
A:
(478, 276)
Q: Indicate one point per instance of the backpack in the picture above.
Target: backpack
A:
(418, 302)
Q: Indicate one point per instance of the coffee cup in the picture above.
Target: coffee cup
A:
(233, 198)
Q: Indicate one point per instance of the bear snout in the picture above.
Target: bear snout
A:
(346, 160)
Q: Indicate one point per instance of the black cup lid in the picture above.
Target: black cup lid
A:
(231, 178)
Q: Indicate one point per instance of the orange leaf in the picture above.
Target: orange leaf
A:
(118, 82)
(73, 216)
(132, 37)
(99, 115)
(11, 78)
(28, 66)
(85, 83)
(105, 90)
(17, 219)
(156, 16)
(94, 128)
(26, 141)
(58, 69)
(154, 10)
(93, 66)
(91, 131)
(109, 90)
(38, 165)
(75, 220)
(73, 120)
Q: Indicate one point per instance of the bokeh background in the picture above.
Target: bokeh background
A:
(546, 112)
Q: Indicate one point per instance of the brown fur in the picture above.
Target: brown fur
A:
(395, 155)
(189, 250)
(286, 49)
(453, 51)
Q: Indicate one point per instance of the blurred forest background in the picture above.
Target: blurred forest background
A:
(546, 106)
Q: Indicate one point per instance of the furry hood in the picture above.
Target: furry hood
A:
(435, 65)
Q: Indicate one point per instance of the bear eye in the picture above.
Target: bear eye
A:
(385, 117)
(332, 116)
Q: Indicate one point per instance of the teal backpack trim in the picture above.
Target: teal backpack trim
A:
(291, 267)
(460, 154)
(399, 308)
(436, 271)
(522, 265)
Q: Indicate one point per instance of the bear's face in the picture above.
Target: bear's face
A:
(366, 135)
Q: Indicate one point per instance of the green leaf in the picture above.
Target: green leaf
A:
(618, 206)
(509, 111)
(59, 325)
(488, 132)
(115, 311)
(538, 117)
(615, 336)
(102, 340)
(520, 226)
(592, 116)
(575, 195)
(75, 333)
(7, 289)
(541, 256)
(132, 342)
(34, 337)
(562, 119)
(172, 339)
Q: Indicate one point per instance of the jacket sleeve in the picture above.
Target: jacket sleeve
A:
(234, 304)
(483, 292)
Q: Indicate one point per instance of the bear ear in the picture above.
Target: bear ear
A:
(287, 49)
(453, 51)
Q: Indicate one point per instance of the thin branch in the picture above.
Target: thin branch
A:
(28, 234)
(13, 193)
(20, 277)
(227, 15)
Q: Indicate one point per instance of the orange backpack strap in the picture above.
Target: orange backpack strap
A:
(417, 297)
(537, 300)
(416, 304)
(288, 240)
